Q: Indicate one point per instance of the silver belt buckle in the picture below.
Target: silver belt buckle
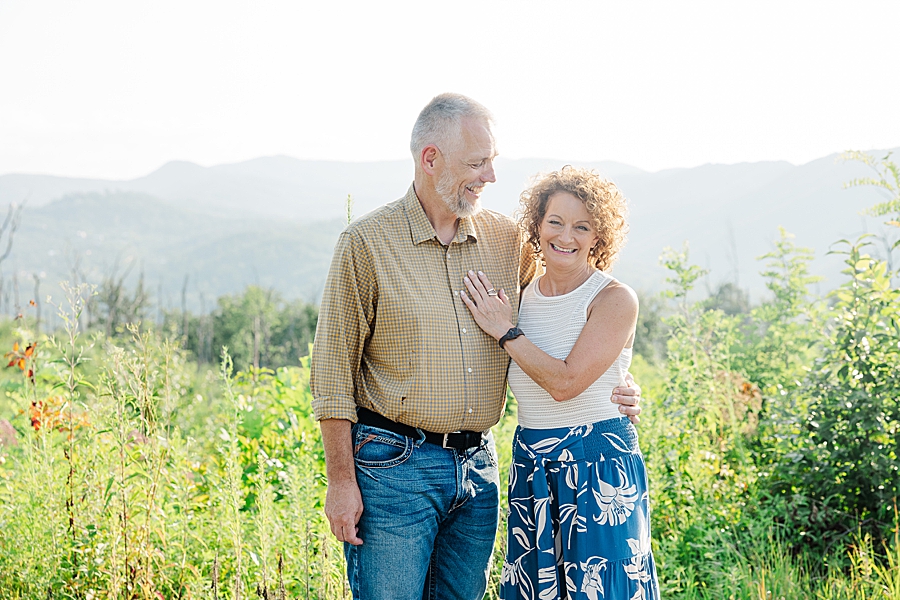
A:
(444, 443)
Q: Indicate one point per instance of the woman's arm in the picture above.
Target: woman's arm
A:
(612, 317)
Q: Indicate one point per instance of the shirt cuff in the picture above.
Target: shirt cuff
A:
(334, 407)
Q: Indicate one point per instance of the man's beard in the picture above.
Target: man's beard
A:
(447, 188)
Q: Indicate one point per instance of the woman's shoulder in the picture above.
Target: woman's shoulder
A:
(615, 295)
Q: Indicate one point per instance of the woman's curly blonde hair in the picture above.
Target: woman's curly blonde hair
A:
(602, 199)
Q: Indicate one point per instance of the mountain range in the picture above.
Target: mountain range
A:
(272, 221)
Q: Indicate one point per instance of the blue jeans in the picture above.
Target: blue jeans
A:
(429, 518)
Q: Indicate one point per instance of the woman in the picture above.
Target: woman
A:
(579, 523)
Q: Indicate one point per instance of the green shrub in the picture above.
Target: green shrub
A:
(844, 474)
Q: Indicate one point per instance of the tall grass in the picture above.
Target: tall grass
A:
(131, 476)
(135, 474)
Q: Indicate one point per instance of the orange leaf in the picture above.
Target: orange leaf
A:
(21, 364)
(16, 347)
(29, 350)
(12, 362)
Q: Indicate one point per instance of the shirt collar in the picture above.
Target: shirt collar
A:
(420, 227)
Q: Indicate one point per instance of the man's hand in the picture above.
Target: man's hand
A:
(628, 399)
(343, 502)
(343, 507)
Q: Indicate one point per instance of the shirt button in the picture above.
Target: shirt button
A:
(470, 411)
(470, 369)
(464, 330)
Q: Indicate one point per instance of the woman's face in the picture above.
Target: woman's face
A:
(567, 232)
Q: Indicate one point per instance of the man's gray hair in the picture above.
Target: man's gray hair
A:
(440, 122)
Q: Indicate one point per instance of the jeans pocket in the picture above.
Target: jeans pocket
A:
(380, 449)
(489, 446)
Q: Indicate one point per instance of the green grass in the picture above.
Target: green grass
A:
(150, 477)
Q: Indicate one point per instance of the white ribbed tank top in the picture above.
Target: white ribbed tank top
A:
(553, 324)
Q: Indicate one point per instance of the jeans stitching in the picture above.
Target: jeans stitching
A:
(386, 464)
(441, 580)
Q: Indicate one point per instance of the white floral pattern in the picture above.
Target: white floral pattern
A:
(616, 502)
(578, 518)
(592, 584)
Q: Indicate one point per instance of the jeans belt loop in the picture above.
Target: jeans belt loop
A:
(444, 444)
(420, 438)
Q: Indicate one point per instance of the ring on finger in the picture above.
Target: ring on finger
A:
(492, 292)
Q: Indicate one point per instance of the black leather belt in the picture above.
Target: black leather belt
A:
(458, 440)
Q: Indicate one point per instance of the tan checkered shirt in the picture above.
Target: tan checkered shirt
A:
(393, 335)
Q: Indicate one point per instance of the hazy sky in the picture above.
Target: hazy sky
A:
(116, 89)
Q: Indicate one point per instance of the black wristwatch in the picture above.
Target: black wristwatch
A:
(512, 334)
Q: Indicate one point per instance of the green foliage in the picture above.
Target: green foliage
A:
(651, 331)
(785, 327)
(771, 434)
(774, 456)
(698, 454)
(112, 306)
(145, 480)
(730, 299)
(845, 472)
(259, 328)
(779, 341)
(763, 566)
(886, 179)
(684, 275)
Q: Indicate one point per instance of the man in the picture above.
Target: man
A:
(406, 386)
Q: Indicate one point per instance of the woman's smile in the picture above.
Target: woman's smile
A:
(563, 250)
(567, 229)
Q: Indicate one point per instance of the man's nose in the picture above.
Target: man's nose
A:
(488, 175)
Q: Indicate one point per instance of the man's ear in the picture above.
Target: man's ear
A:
(429, 156)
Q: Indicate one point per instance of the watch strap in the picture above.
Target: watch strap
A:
(512, 334)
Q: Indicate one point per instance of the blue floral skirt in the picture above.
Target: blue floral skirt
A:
(579, 515)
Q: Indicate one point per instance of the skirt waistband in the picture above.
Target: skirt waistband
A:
(597, 441)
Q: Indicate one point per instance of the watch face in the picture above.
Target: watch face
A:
(510, 335)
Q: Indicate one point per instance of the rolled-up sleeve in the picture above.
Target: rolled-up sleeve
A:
(346, 315)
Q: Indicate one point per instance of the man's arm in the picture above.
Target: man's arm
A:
(343, 502)
(345, 318)
(527, 265)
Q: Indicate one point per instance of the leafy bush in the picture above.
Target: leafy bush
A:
(763, 416)
(844, 474)
(259, 328)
